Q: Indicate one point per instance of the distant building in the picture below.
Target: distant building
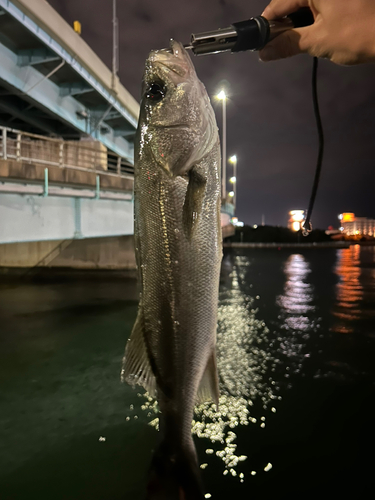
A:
(296, 218)
(356, 227)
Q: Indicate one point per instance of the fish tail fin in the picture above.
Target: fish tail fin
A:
(174, 474)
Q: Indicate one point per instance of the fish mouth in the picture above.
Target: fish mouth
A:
(169, 68)
(175, 59)
(172, 126)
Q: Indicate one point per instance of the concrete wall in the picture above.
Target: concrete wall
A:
(91, 253)
(37, 218)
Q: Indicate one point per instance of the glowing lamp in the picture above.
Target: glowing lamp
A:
(221, 95)
(297, 215)
(232, 180)
(233, 159)
(231, 194)
(296, 226)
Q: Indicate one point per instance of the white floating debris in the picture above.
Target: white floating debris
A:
(209, 451)
(263, 419)
(225, 472)
(253, 472)
(131, 407)
(273, 409)
(127, 419)
(263, 425)
(207, 495)
(268, 467)
(203, 466)
(242, 475)
(102, 438)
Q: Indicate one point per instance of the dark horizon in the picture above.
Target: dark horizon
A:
(270, 121)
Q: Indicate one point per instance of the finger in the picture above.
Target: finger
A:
(281, 8)
(288, 44)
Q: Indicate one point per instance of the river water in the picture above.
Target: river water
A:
(296, 347)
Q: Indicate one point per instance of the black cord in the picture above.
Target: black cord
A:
(307, 227)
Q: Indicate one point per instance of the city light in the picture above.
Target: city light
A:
(297, 215)
(233, 179)
(348, 217)
(296, 226)
(221, 95)
(237, 222)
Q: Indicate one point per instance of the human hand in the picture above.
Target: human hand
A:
(343, 31)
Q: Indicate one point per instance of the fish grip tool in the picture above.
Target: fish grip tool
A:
(252, 34)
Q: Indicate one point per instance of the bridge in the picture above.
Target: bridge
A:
(67, 128)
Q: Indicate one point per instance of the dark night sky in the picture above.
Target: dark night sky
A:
(270, 118)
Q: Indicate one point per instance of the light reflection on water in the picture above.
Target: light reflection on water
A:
(297, 311)
(348, 290)
(355, 290)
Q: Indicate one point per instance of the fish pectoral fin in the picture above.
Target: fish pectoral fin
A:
(193, 201)
(136, 367)
(209, 386)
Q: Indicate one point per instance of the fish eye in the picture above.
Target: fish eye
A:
(155, 92)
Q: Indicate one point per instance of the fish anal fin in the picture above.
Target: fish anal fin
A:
(136, 367)
(209, 386)
(193, 201)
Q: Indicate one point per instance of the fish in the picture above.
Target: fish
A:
(178, 242)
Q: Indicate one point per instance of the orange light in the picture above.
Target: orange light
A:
(348, 217)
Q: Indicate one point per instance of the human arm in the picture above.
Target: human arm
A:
(343, 31)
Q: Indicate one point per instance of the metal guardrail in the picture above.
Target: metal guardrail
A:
(33, 148)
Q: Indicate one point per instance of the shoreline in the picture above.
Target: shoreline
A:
(327, 244)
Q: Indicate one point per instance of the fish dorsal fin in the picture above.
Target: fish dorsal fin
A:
(136, 368)
(193, 201)
(209, 386)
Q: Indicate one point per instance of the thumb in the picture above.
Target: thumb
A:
(287, 44)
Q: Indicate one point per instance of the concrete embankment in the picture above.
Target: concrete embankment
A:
(111, 253)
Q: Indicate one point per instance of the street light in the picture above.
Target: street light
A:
(222, 97)
(233, 180)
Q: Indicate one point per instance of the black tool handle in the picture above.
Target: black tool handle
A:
(255, 33)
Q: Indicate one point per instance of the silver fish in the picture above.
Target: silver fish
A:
(171, 351)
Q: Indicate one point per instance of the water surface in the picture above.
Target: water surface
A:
(296, 342)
